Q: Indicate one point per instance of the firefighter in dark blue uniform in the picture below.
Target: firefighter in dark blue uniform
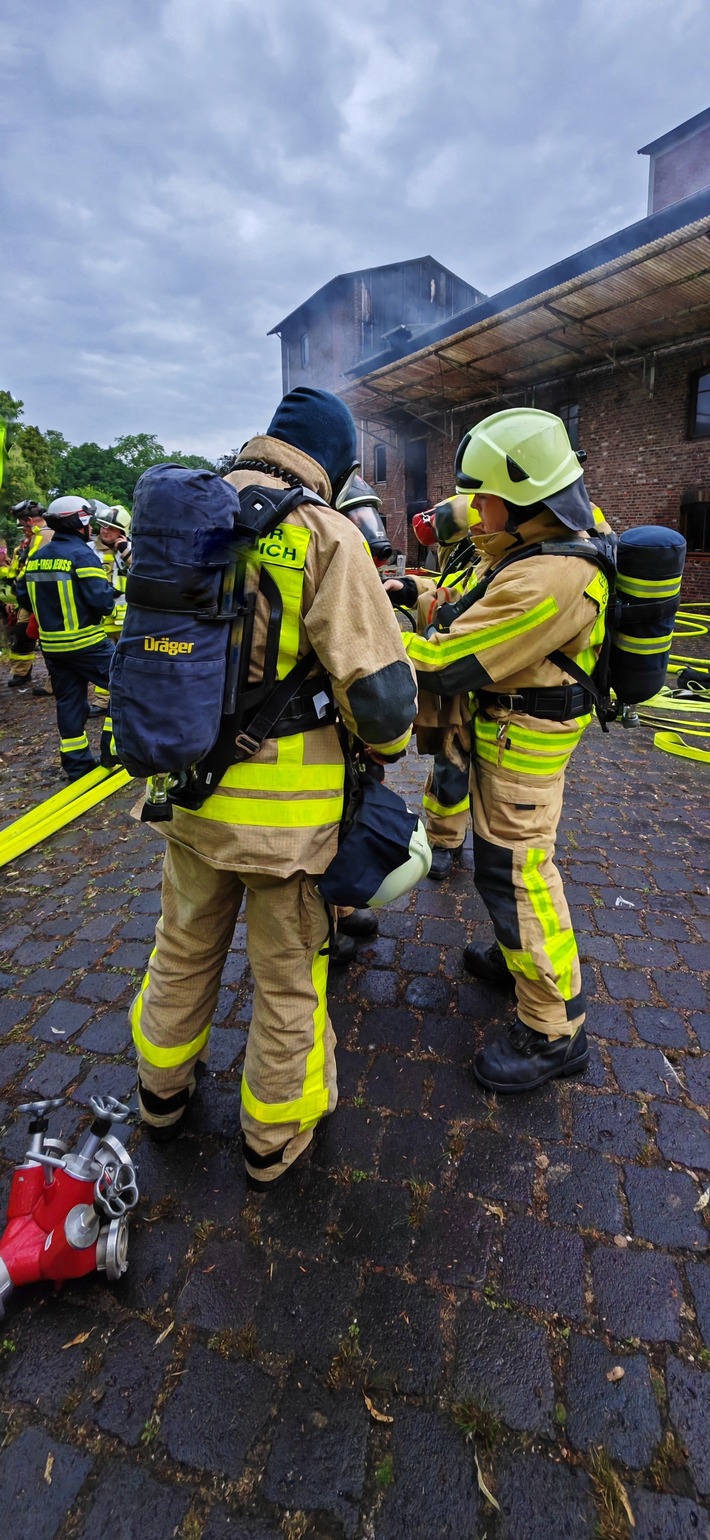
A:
(65, 585)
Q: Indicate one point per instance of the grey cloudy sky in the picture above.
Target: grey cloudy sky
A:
(176, 175)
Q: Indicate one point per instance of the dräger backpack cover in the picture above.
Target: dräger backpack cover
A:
(180, 673)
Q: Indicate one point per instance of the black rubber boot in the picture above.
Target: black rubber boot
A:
(488, 962)
(362, 923)
(524, 1059)
(442, 860)
(19, 681)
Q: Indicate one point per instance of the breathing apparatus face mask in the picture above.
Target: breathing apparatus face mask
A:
(362, 507)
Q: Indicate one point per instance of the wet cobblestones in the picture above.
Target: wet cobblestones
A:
(479, 1269)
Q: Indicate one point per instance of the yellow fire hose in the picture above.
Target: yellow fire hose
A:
(61, 809)
(682, 716)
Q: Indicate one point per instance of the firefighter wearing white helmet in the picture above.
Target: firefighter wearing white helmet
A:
(516, 642)
(63, 583)
(113, 545)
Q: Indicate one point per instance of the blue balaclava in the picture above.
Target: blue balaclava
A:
(322, 426)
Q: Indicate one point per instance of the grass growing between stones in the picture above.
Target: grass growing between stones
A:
(384, 1473)
(615, 1513)
(350, 1367)
(668, 1459)
(421, 1193)
(477, 1424)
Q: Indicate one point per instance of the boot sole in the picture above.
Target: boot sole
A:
(577, 1067)
(442, 876)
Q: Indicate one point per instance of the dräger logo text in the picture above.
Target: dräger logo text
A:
(165, 644)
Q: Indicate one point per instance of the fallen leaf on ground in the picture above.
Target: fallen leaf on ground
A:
(164, 1334)
(483, 1488)
(702, 1202)
(616, 1374)
(378, 1416)
(76, 1341)
(620, 1240)
(495, 1208)
(48, 1469)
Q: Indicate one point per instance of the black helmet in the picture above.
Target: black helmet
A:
(27, 509)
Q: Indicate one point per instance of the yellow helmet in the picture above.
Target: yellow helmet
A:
(525, 457)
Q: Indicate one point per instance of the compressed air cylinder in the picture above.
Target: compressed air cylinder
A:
(649, 573)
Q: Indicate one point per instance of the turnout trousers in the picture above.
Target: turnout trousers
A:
(71, 673)
(289, 1080)
(22, 648)
(446, 803)
(514, 832)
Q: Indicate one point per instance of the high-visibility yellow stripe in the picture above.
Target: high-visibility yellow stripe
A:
(162, 1058)
(450, 649)
(288, 774)
(527, 764)
(440, 809)
(559, 945)
(61, 641)
(395, 745)
(524, 736)
(310, 1106)
(264, 813)
(598, 516)
(89, 572)
(72, 745)
(648, 588)
(520, 962)
(642, 644)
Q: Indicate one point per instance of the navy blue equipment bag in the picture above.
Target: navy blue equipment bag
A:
(169, 668)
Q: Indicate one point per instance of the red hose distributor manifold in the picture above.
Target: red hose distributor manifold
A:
(68, 1210)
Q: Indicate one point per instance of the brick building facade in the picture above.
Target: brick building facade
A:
(615, 338)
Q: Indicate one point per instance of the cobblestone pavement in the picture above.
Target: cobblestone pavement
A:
(450, 1276)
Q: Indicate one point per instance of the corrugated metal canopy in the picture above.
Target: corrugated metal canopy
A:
(656, 295)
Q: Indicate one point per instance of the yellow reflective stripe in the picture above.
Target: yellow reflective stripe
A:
(264, 813)
(559, 945)
(649, 588)
(69, 745)
(310, 1106)
(642, 644)
(89, 572)
(395, 745)
(108, 725)
(450, 649)
(32, 589)
(162, 1058)
(598, 516)
(66, 600)
(520, 962)
(553, 742)
(441, 809)
(527, 764)
(99, 689)
(61, 641)
(284, 777)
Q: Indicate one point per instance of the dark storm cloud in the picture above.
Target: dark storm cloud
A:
(178, 176)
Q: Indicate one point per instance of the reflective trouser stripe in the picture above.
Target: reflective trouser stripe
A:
(440, 808)
(73, 745)
(163, 1058)
(311, 1105)
(513, 843)
(99, 690)
(23, 657)
(559, 942)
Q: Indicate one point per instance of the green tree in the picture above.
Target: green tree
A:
(10, 407)
(18, 483)
(38, 453)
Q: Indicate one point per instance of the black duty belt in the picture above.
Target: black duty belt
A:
(557, 703)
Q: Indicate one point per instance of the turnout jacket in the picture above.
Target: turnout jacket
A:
(65, 587)
(501, 644)
(279, 812)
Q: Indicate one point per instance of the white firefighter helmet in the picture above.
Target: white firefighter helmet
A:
(67, 508)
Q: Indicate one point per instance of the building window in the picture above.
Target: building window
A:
(695, 526)
(305, 350)
(569, 412)
(700, 406)
(380, 462)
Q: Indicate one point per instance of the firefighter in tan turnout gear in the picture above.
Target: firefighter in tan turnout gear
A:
(271, 826)
(506, 642)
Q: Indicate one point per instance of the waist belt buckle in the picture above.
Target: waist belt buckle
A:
(511, 702)
(246, 745)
